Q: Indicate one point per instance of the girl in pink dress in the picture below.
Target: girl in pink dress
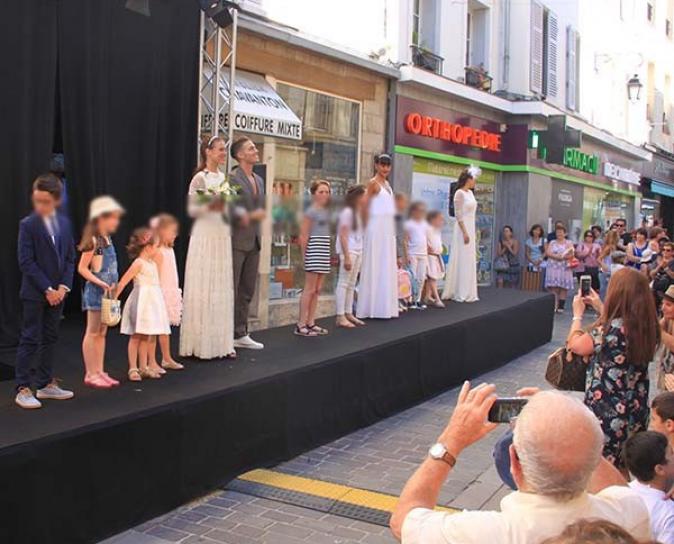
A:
(166, 228)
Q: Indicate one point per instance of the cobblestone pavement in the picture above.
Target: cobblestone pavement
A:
(379, 458)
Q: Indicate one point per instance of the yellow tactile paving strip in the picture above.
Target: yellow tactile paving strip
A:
(326, 490)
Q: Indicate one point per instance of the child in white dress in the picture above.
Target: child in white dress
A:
(165, 228)
(436, 266)
(144, 315)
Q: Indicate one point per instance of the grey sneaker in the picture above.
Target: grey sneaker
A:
(26, 400)
(53, 392)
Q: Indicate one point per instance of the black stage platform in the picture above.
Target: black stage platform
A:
(81, 470)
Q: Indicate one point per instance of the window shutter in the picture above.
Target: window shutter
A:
(571, 68)
(536, 50)
(551, 55)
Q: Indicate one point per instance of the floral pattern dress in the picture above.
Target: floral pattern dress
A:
(617, 391)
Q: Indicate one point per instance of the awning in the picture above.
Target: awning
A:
(258, 107)
(662, 188)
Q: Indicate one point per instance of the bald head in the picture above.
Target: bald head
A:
(558, 442)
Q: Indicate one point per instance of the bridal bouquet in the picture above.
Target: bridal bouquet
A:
(226, 192)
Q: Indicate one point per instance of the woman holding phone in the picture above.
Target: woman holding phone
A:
(619, 345)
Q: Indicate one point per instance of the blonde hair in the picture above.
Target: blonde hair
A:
(161, 221)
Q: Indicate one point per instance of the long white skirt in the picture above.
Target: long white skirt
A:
(207, 329)
(378, 287)
(461, 276)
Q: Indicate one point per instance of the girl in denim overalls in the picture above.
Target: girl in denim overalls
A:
(98, 266)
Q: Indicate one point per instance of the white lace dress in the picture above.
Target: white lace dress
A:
(461, 277)
(207, 329)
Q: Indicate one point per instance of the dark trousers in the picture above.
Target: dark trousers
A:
(39, 333)
(245, 279)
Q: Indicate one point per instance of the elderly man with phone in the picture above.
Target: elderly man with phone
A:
(556, 464)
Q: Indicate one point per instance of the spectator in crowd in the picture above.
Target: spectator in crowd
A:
(662, 274)
(553, 234)
(508, 251)
(559, 480)
(650, 460)
(587, 252)
(665, 354)
(620, 345)
(637, 250)
(610, 246)
(598, 234)
(534, 248)
(593, 532)
(558, 274)
(625, 237)
(662, 415)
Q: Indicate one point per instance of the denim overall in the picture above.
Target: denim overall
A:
(93, 294)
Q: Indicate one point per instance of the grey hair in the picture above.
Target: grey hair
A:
(558, 442)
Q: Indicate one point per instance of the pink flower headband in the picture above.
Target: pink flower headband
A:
(154, 222)
(145, 239)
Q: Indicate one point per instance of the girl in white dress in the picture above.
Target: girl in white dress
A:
(378, 288)
(461, 276)
(207, 329)
(144, 315)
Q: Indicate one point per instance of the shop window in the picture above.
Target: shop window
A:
(330, 151)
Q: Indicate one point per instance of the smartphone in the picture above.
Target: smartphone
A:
(585, 285)
(505, 409)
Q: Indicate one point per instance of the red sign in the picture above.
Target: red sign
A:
(433, 127)
(426, 126)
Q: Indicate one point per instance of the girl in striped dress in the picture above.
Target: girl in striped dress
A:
(315, 243)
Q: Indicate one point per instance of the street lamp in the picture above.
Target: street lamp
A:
(634, 86)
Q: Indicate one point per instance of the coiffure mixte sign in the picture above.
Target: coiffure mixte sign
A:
(426, 126)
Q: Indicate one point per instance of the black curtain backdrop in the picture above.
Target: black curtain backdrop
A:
(28, 67)
(128, 88)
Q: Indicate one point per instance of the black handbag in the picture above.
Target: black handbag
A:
(566, 370)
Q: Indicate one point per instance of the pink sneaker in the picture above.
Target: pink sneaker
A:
(97, 382)
(110, 379)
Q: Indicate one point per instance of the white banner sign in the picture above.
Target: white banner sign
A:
(614, 171)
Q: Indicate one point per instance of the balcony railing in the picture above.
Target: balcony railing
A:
(478, 78)
(423, 58)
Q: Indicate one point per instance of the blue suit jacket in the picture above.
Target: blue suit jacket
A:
(39, 261)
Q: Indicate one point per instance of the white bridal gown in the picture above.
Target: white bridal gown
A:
(207, 329)
(378, 287)
(461, 276)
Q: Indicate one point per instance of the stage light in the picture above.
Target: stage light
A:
(139, 6)
(218, 10)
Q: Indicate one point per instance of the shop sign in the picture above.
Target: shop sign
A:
(433, 127)
(429, 127)
(258, 109)
(619, 173)
(576, 159)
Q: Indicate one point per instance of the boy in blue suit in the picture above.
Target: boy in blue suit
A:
(47, 262)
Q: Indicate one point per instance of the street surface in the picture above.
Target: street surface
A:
(378, 458)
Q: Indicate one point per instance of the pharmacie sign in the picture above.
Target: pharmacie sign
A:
(429, 127)
(576, 159)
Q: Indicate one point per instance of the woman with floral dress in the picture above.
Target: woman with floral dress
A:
(558, 275)
(619, 346)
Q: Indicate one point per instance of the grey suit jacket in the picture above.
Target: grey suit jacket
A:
(247, 238)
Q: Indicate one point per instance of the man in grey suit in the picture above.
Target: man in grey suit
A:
(249, 211)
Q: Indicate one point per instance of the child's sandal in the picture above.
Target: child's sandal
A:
(135, 375)
(172, 365)
(303, 330)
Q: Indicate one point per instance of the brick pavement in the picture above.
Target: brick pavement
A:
(379, 458)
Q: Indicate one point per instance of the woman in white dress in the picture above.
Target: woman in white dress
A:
(461, 275)
(378, 287)
(207, 330)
